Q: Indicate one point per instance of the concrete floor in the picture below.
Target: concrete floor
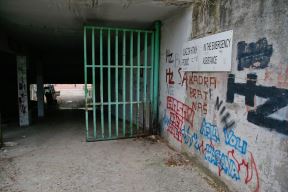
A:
(52, 155)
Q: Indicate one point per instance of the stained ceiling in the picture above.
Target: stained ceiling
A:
(51, 31)
(59, 23)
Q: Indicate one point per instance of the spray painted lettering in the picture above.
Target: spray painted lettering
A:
(198, 87)
(169, 76)
(179, 112)
(227, 163)
(194, 79)
(180, 109)
(250, 169)
(169, 56)
(255, 55)
(209, 131)
(224, 116)
(276, 99)
(232, 140)
(218, 158)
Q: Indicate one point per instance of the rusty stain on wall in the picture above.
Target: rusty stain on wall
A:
(205, 18)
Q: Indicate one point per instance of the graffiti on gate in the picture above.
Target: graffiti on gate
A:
(277, 99)
(254, 55)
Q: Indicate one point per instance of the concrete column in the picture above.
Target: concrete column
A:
(22, 90)
(40, 91)
(1, 133)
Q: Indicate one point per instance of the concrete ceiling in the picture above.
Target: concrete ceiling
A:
(51, 31)
(59, 23)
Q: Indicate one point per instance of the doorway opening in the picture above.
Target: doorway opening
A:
(120, 66)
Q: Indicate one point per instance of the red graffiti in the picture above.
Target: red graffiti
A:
(169, 76)
(250, 167)
(179, 112)
(175, 125)
(193, 79)
(181, 109)
(197, 93)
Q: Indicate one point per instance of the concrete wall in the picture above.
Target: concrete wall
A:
(239, 124)
(8, 84)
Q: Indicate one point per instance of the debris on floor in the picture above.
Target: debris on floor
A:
(53, 158)
(177, 160)
(10, 144)
(153, 138)
(214, 184)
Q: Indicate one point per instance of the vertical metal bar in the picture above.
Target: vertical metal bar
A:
(116, 79)
(85, 80)
(145, 79)
(156, 75)
(138, 79)
(101, 82)
(151, 81)
(93, 86)
(124, 83)
(109, 82)
(131, 83)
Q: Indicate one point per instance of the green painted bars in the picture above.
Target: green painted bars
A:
(121, 69)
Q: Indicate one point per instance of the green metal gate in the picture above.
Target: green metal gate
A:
(121, 69)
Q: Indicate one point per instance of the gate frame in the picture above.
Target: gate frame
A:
(154, 78)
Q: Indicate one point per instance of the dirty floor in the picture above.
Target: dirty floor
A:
(52, 155)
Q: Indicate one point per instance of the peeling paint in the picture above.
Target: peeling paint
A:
(256, 144)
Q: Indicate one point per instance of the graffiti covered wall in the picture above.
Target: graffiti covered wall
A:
(22, 90)
(235, 122)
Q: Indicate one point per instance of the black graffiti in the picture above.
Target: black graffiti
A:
(169, 56)
(23, 108)
(256, 55)
(224, 116)
(276, 99)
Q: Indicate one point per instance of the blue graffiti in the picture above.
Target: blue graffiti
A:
(166, 120)
(190, 139)
(186, 136)
(210, 131)
(212, 155)
(232, 140)
(218, 158)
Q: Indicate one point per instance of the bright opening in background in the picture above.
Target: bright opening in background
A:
(64, 96)
(72, 96)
